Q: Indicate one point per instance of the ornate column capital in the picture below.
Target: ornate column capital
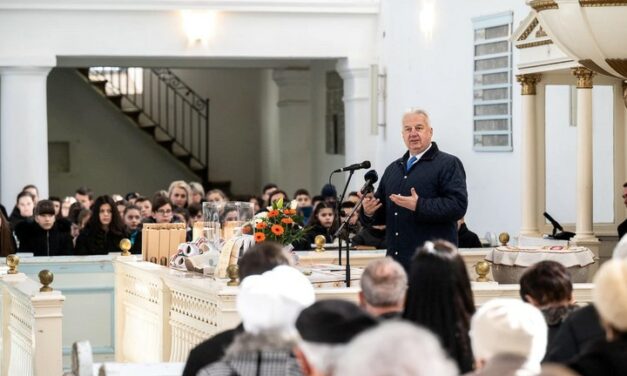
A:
(528, 83)
(584, 77)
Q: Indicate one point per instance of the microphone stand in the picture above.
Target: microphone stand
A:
(337, 215)
(339, 231)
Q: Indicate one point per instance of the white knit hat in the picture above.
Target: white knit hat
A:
(274, 299)
(620, 251)
(609, 293)
(509, 326)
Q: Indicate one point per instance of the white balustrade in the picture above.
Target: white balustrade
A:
(31, 328)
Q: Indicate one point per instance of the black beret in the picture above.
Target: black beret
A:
(333, 321)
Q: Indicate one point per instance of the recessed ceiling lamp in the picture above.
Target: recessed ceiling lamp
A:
(198, 25)
(427, 18)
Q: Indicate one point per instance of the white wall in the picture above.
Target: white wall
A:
(234, 123)
(108, 152)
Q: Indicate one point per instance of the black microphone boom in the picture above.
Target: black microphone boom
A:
(371, 177)
(356, 166)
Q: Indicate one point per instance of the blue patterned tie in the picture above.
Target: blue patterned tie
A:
(410, 162)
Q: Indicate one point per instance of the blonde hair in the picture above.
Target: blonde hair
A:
(180, 184)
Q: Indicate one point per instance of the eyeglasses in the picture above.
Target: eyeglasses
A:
(164, 211)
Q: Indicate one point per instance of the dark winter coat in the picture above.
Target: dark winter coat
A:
(309, 238)
(210, 351)
(440, 182)
(467, 238)
(577, 333)
(33, 238)
(603, 358)
(95, 241)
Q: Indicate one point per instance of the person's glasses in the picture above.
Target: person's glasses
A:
(164, 211)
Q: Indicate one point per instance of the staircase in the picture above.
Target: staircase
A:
(162, 105)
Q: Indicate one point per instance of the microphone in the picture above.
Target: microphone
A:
(371, 177)
(553, 221)
(353, 167)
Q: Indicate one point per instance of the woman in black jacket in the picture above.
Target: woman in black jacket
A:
(104, 230)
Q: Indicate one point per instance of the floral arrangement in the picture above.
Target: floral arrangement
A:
(280, 224)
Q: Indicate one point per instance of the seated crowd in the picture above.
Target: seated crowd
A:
(424, 323)
(86, 225)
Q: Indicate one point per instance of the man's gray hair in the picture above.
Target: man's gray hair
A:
(384, 283)
(322, 356)
(396, 348)
(417, 111)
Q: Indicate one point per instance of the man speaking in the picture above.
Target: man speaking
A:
(421, 195)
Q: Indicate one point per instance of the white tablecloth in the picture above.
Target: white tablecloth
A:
(526, 256)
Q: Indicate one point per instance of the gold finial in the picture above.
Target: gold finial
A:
(233, 272)
(163, 261)
(46, 277)
(13, 261)
(504, 238)
(125, 246)
(483, 269)
(320, 241)
(153, 259)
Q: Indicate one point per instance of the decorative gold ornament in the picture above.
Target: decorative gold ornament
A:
(233, 272)
(588, 63)
(535, 44)
(320, 241)
(584, 77)
(125, 246)
(13, 261)
(528, 83)
(602, 3)
(504, 238)
(163, 261)
(153, 259)
(483, 269)
(619, 65)
(46, 277)
(540, 5)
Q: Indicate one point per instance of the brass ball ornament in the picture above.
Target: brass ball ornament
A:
(13, 261)
(125, 246)
(46, 277)
(504, 238)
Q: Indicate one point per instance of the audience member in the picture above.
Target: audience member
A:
(257, 202)
(42, 235)
(321, 223)
(85, 196)
(145, 207)
(547, 285)
(276, 195)
(353, 197)
(195, 214)
(370, 236)
(7, 241)
(217, 196)
(326, 327)
(132, 221)
(303, 199)
(439, 298)
(353, 223)
(582, 328)
(508, 338)
(65, 206)
(104, 230)
(265, 192)
(258, 259)
(56, 202)
(32, 189)
(609, 294)
(329, 194)
(315, 200)
(24, 206)
(465, 237)
(383, 288)
(121, 205)
(395, 348)
(198, 193)
(162, 211)
(268, 305)
(131, 197)
(179, 194)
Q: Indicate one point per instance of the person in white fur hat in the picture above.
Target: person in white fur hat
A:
(508, 337)
(608, 357)
(269, 305)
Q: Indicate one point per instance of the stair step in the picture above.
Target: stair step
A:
(83, 71)
(184, 158)
(165, 143)
(149, 128)
(100, 84)
(116, 99)
(132, 113)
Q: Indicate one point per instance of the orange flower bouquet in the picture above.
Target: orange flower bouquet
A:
(280, 224)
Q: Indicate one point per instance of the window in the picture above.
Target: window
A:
(492, 84)
(334, 114)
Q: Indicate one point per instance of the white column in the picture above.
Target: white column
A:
(23, 131)
(360, 144)
(584, 231)
(294, 133)
(529, 203)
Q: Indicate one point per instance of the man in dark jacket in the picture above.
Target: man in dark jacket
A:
(421, 195)
(43, 236)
